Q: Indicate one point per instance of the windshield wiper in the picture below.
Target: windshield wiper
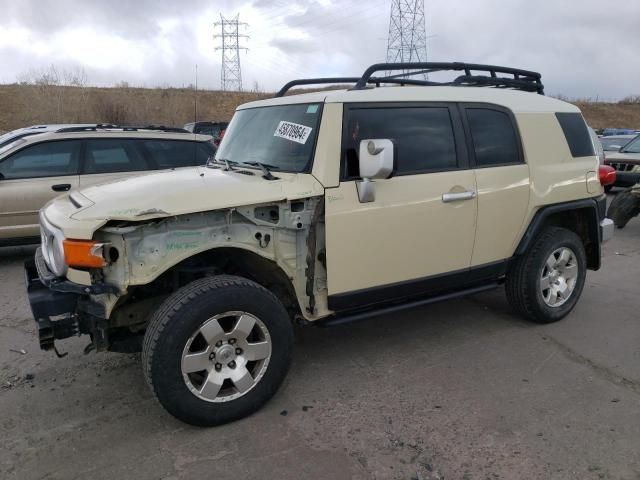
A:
(226, 162)
(266, 173)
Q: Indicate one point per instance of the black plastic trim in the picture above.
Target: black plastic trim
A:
(365, 315)
(592, 205)
(420, 288)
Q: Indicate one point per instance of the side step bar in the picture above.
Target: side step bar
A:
(343, 319)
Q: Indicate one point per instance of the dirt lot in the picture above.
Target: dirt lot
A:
(458, 390)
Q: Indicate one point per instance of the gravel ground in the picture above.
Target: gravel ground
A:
(457, 390)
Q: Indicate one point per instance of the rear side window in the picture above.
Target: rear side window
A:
(577, 134)
(494, 137)
(178, 153)
(422, 136)
(113, 155)
(49, 159)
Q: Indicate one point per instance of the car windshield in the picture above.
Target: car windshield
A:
(611, 144)
(633, 146)
(281, 137)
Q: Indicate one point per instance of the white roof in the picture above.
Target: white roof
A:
(515, 100)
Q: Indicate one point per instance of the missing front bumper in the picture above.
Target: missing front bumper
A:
(54, 312)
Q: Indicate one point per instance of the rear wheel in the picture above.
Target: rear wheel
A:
(217, 350)
(545, 283)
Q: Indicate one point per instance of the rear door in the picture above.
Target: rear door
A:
(415, 230)
(29, 178)
(502, 178)
(109, 159)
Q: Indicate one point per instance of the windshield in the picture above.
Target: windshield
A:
(611, 144)
(633, 146)
(281, 137)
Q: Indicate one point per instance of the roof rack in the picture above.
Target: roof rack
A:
(495, 76)
(124, 128)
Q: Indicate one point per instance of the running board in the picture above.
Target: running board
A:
(364, 315)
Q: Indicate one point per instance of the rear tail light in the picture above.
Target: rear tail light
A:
(607, 175)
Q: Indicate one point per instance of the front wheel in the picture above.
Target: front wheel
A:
(217, 350)
(544, 283)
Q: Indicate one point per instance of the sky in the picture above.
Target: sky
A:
(584, 49)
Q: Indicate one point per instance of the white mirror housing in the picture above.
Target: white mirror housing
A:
(376, 158)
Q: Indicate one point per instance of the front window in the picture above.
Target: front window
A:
(280, 137)
(48, 159)
(633, 146)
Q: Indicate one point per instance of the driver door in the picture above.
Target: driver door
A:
(412, 236)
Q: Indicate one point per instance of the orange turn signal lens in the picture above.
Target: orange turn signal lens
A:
(83, 253)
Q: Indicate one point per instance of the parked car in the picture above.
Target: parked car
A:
(626, 162)
(35, 129)
(615, 142)
(37, 168)
(215, 129)
(607, 132)
(325, 208)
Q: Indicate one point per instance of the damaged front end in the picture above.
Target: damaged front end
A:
(64, 309)
(277, 244)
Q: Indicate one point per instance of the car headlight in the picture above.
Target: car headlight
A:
(52, 247)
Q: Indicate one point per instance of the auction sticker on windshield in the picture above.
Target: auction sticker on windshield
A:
(293, 131)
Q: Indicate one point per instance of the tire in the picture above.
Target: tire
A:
(222, 321)
(526, 277)
(623, 208)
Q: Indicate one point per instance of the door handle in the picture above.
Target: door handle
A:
(61, 187)
(456, 197)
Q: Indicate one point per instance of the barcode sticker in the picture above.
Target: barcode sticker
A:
(293, 131)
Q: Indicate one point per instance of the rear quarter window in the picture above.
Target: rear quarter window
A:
(178, 153)
(577, 134)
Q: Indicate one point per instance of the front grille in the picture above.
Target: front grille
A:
(622, 167)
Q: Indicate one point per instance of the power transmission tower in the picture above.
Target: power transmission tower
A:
(230, 74)
(407, 41)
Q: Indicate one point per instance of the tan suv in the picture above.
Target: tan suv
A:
(36, 168)
(325, 207)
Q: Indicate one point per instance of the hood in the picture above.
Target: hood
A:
(189, 190)
(623, 157)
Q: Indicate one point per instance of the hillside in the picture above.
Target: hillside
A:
(22, 105)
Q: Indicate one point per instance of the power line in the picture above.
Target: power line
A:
(230, 73)
(407, 40)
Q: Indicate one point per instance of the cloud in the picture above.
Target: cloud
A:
(582, 49)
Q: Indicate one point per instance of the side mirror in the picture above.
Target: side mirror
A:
(376, 161)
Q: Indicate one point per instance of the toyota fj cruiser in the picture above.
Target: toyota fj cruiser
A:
(322, 208)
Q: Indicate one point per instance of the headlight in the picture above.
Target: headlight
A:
(52, 248)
